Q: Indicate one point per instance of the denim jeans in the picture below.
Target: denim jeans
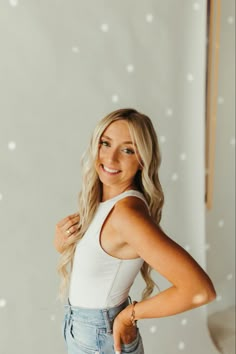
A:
(89, 331)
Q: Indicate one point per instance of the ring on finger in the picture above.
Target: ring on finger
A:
(68, 232)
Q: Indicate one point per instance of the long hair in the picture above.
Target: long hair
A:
(147, 181)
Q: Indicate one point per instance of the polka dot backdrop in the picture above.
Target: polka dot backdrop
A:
(220, 220)
(64, 66)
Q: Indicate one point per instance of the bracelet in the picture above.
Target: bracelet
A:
(132, 317)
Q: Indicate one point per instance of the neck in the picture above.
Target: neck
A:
(108, 194)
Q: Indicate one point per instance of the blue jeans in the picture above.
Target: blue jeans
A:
(89, 331)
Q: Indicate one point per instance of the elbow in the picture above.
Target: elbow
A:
(204, 296)
(211, 295)
(211, 292)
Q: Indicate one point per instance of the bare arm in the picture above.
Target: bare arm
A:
(191, 286)
(65, 228)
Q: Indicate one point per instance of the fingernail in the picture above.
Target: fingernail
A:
(118, 353)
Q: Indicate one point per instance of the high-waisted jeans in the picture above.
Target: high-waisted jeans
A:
(89, 331)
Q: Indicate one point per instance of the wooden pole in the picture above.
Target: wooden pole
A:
(211, 98)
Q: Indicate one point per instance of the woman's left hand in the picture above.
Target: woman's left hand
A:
(123, 329)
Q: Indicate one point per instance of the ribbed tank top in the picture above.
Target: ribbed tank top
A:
(99, 280)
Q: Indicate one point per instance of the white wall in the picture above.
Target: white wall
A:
(63, 66)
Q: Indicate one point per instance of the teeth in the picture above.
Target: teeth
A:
(109, 170)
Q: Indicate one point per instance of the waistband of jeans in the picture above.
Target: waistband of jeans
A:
(93, 312)
(103, 316)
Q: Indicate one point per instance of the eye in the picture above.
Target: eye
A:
(104, 143)
(128, 151)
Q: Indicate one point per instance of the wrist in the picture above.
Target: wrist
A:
(128, 315)
(133, 316)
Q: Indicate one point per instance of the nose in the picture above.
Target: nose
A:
(112, 155)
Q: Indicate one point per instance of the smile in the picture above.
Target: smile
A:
(109, 170)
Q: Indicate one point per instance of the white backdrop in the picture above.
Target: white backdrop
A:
(64, 65)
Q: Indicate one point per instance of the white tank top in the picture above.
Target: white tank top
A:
(99, 280)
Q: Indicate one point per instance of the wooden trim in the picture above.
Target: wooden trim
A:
(214, 12)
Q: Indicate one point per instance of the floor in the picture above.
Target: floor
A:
(222, 330)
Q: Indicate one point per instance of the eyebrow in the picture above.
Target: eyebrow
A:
(124, 142)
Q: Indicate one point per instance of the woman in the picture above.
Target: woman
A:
(116, 234)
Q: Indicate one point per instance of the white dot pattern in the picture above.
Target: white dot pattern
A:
(207, 247)
(105, 27)
(221, 100)
(75, 49)
(190, 77)
(162, 139)
(232, 141)
(130, 68)
(230, 20)
(184, 321)
(196, 6)
(115, 98)
(13, 3)
(229, 276)
(149, 18)
(11, 145)
(183, 156)
(169, 112)
(175, 177)
(181, 346)
(221, 223)
(153, 329)
(3, 303)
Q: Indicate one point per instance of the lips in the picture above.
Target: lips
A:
(110, 170)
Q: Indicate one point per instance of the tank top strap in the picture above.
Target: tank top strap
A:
(130, 193)
(134, 193)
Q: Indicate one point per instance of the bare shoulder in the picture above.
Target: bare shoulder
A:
(131, 206)
(132, 221)
(130, 212)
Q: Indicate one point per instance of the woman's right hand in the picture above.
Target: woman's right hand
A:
(65, 228)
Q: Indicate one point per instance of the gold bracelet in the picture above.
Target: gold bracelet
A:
(132, 317)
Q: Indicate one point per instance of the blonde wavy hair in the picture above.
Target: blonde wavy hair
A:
(146, 180)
